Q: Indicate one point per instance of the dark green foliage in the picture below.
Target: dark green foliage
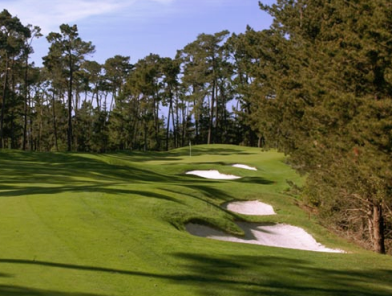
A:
(317, 85)
(157, 104)
(207, 73)
(326, 101)
(12, 48)
(67, 52)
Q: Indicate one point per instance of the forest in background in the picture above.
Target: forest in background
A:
(76, 104)
(317, 85)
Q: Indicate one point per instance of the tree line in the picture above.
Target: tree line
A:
(323, 95)
(316, 85)
(73, 103)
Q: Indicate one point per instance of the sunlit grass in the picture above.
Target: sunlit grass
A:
(113, 224)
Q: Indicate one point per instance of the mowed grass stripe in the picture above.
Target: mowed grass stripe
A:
(113, 225)
(26, 238)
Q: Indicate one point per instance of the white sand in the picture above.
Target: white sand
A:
(213, 174)
(274, 235)
(244, 166)
(253, 207)
(279, 235)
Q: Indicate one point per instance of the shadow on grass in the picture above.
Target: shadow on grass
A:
(215, 163)
(74, 169)
(206, 194)
(25, 291)
(279, 276)
(138, 156)
(254, 180)
(8, 191)
(56, 173)
(247, 180)
(196, 151)
(14, 290)
(66, 172)
(242, 275)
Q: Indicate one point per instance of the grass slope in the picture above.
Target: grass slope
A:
(80, 224)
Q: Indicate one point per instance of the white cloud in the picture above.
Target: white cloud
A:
(50, 14)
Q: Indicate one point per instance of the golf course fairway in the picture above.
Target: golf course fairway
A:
(115, 225)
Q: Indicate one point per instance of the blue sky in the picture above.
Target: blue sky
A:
(137, 28)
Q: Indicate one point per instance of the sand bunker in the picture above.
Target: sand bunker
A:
(279, 235)
(244, 166)
(213, 174)
(253, 207)
(274, 235)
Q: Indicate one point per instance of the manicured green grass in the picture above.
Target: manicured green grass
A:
(113, 224)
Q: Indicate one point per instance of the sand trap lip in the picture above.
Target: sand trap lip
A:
(244, 166)
(278, 235)
(212, 174)
(252, 207)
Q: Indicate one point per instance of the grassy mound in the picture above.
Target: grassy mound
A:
(114, 224)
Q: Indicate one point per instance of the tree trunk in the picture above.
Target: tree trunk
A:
(31, 141)
(39, 142)
(54, 122)
(217, 123)
(145, 135)
(13, 146)
(174, 127)
(184, 122)
(96, 93)
(156, 122)
(13, 88)
(378, 229)
(25, 104)
(112, 99)
(75, 126)
(168, 122)
(3, 103)
(210, 127)
(177, 129)
(70, 106)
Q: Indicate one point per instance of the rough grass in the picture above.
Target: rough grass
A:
(113, 224)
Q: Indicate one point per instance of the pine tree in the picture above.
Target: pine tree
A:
(12, 37)
(203, 63)
(68, 51)
(330, 107)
